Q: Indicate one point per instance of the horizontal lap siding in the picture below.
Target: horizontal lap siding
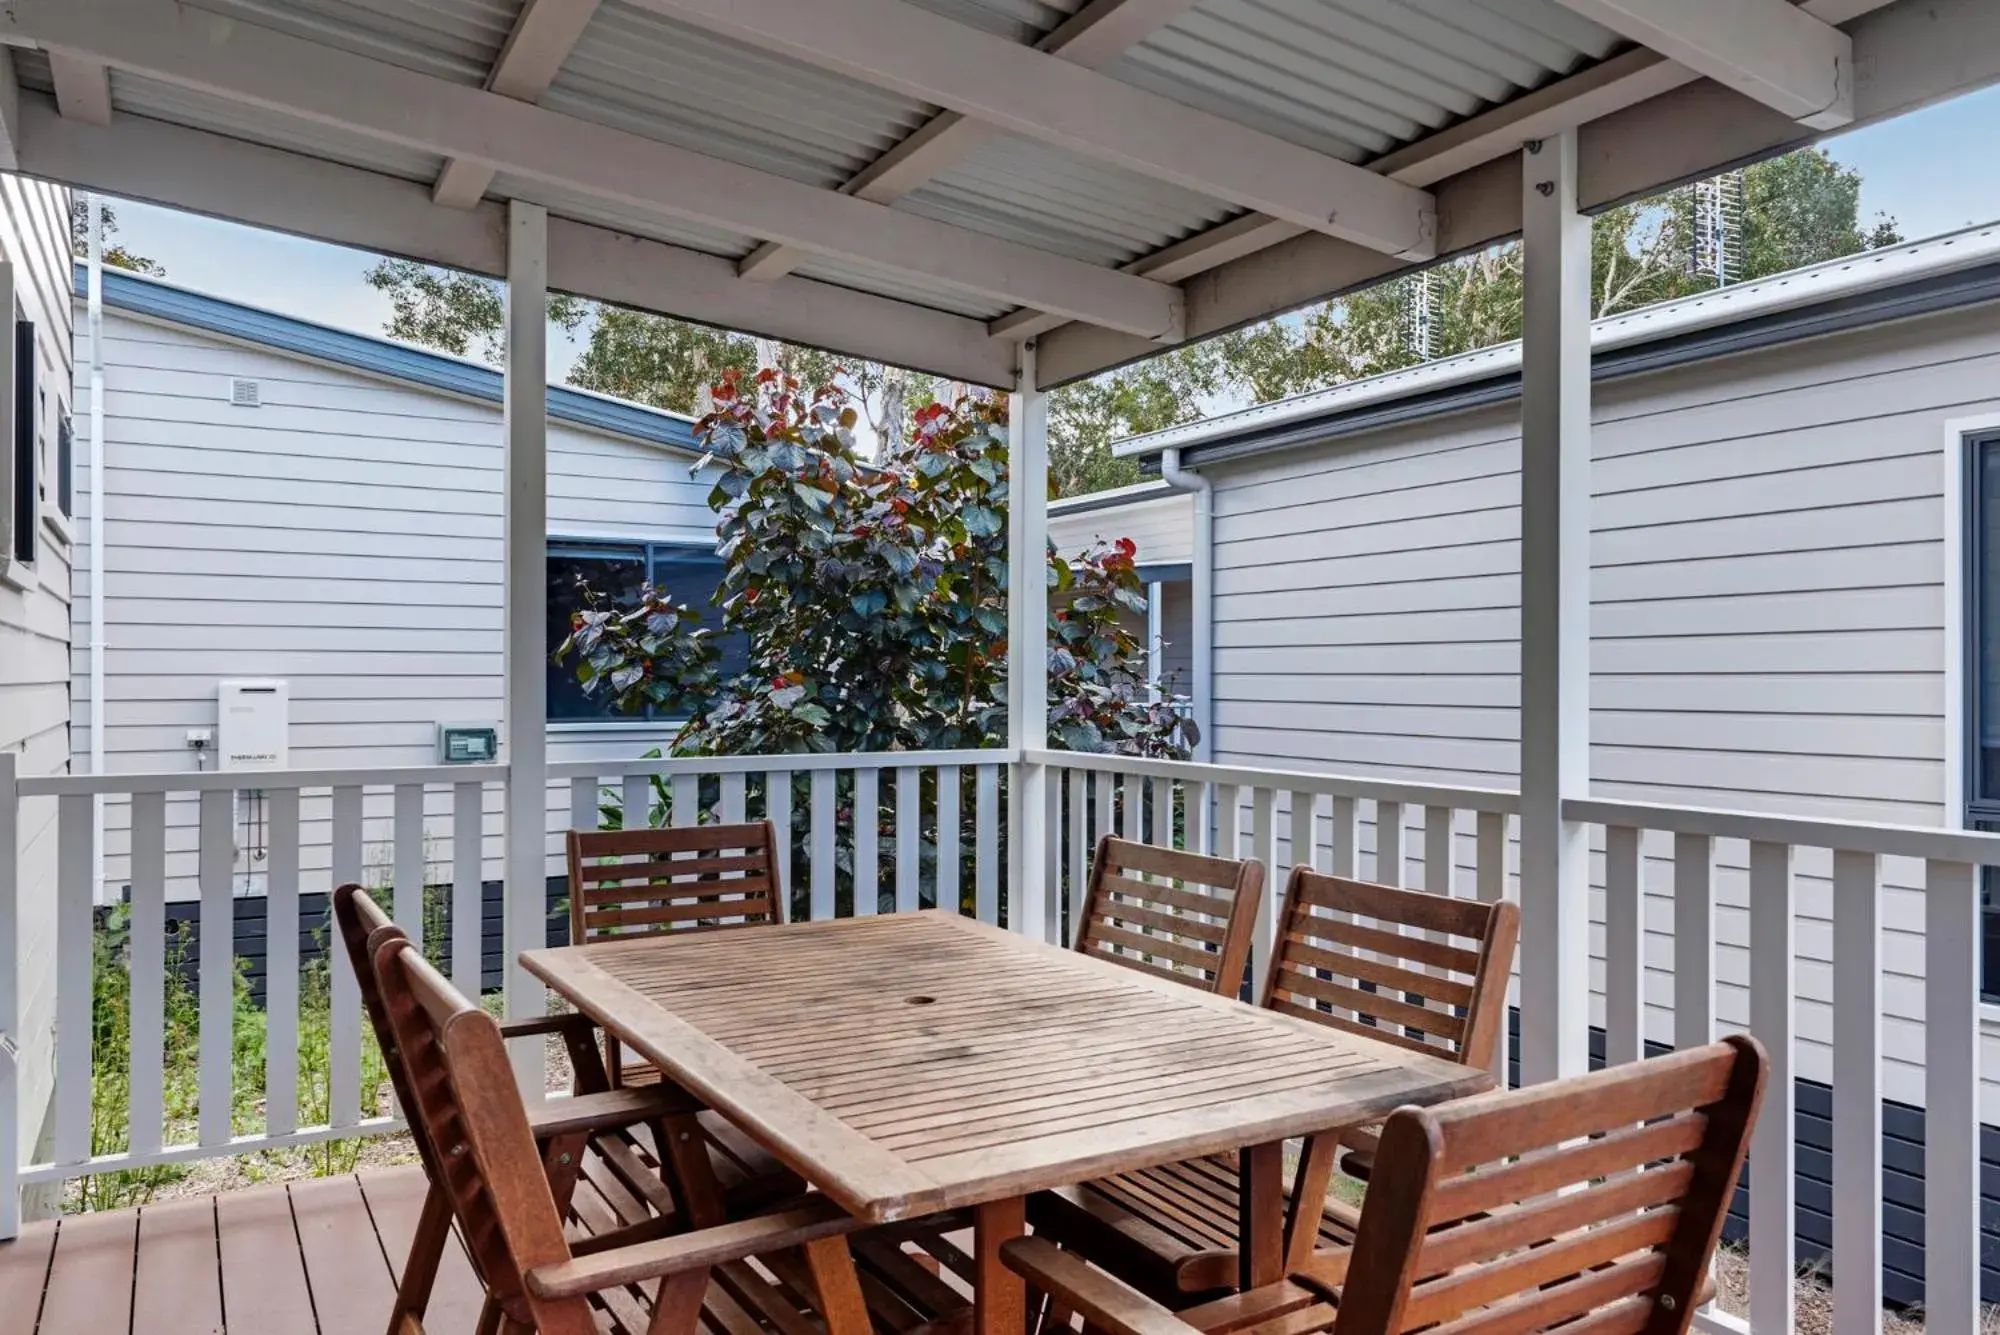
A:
(35, 632)
(1768, 625)
(345, 536)
(1163, 529)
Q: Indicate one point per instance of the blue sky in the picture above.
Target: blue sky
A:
(1935, 170)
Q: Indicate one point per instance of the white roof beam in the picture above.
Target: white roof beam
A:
(289, 75)
(899, 46)
(1093, 37)
(543, 36)
(268, 187)
(83, 87)
(1769, 50)
(10, 115)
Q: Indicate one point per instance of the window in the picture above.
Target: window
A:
(1982, 645)
(619, 569)
(65, 469)
(27, 449)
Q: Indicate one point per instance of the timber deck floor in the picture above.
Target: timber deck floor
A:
(317, 1257)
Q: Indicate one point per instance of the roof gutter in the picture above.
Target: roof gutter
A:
(1202, 612)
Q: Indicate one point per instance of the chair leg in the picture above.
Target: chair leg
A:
(413, 1292)
(489, 1318)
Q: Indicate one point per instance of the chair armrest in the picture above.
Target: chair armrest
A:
(1325, 1270)
(566, 1023)
(608, 1111)
(1104, 1302)
(641, 1261)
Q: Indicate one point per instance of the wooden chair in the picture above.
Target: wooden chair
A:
(1596, 1201)
(1191, 923)
(607, 1135)
(540, 1277)
(1171, 1230)
(625, 883)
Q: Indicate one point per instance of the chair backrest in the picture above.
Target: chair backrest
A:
(1184, 916)
(466, 1099)
(640, 882)
(363, 928)
(1345, 959)
(1601, 1196)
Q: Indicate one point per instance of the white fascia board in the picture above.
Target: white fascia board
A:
(899, 46)
(222, 177)
(259, 67)
(1769, 50)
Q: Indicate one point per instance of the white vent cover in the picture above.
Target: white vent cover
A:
(245, 394)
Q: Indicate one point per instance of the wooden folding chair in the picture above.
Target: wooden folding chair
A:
(1177, 915)
(1589, 1205)
(1417, 970)
(723, 1278)
(602, 1171)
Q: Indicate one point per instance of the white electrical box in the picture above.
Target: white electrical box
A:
(253, 721)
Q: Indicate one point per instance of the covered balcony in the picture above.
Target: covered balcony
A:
(1012, 196)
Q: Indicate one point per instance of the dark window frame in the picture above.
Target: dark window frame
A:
(1982, 808)
(27, 498)
(649, 550)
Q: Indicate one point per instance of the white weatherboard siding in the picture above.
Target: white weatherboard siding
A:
(345, 536)
(1768, 622)
(35, 629)
(1161, 524)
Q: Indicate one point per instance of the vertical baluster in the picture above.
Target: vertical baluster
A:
(1264, 847)
(1694, 940)
(1305, 847)
(686, 795)
(409, 864)
(1951, 1096)
(344, 1039)
(281, 965)
(75, 977)
(1344, 842)
(1194, 821)
(1624, 948)
(986, 836)
(1132, 806)
(950, 812)
(1857, 1095)
(735, 799)
(1439, 873)
(1228, 820)
(1390, 852)
(1052, 846)
(1101, 795)
(867, 840)
(1773, 1218)
(1491, 888)
(1079, 851)
(148, 951)
(1163, 812)
(778, 811)
(583, 813)
(217, 868)
(909, 809)
(635, 801)
(823, 833)
(468, 876)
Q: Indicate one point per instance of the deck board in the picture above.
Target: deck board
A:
(343, 1257)
(178, 1285)
(90, 1282)
(263, 1276)
(24, 1273)
(395, 1199)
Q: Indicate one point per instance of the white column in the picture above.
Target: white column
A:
(1027, 647)
(526, 525)
(1555, 613)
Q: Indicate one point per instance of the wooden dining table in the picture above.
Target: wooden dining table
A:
(914, 1063)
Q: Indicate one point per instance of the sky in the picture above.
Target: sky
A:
(1934, 171)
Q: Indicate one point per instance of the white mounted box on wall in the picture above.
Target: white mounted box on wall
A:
(253, 723)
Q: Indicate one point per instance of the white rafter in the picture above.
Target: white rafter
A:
(543, 36)
(1093, 37)
(899, 46)
(1770, 50)
(83, 87)
(260, 67)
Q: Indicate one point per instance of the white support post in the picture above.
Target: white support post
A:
(526, 619)
(1027, 648)
(1555, 613)
(10, 997)
(1155, 638)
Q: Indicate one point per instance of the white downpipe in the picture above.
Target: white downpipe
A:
(1203, 612)
(94, 325)
(1155, 638)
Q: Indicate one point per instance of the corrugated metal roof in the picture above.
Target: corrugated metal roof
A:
(1356, 78)
(451, 39)
(901, 286)
(624, 218)
(1855, 275)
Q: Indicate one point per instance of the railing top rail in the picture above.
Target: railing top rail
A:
(1501, 801)
(800, 762)
(1905, 841)
(199, 781)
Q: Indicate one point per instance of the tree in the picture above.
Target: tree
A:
(873, 598)
(1084, 418)
(117, 256)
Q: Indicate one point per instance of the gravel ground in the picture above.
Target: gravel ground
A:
(1813, 1300)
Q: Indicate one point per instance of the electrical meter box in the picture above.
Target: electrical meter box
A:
(253, 722)
(468, 743)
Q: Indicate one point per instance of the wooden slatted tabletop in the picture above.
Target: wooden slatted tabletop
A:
(918, 1062)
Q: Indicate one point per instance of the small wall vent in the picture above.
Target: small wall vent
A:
(245, 394)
